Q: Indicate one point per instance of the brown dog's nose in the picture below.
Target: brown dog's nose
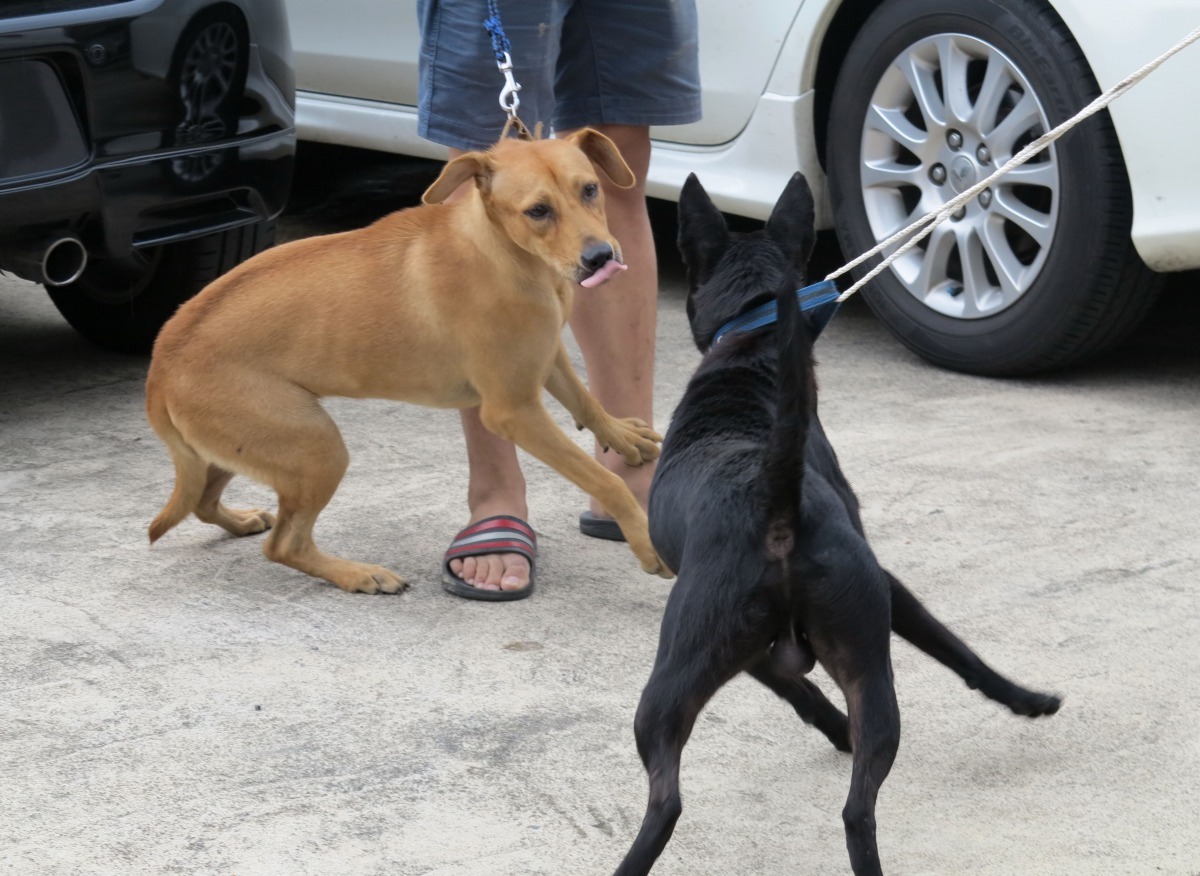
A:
(596, 256)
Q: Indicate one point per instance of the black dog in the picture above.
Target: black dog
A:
(751, 508)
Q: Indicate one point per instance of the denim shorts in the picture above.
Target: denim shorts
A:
(579, 62)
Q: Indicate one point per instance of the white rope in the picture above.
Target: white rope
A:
(950, 207)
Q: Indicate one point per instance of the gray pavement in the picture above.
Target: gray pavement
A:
(195, 709)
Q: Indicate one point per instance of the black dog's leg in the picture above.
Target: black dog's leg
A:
(807, 699)
(912, 621)
(874, 736)
(682, 682)
(662, 729)
(847, 625)
(665, 718)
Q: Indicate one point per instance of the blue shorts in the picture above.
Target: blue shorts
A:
(579, 62)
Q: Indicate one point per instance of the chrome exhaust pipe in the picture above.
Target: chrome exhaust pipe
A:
(52, 261)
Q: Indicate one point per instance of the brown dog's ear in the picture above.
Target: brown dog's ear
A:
(471, 165)
(604, 154)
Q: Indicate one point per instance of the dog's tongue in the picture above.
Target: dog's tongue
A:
(604, 274)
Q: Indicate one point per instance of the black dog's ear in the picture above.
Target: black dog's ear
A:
(703, 235)
(792, 223)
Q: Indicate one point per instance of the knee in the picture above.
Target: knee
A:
(880, 753)
(645, 727)
(666, 807)
(859, 820)
(656, 729)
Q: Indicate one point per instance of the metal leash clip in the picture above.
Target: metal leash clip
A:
(509, 101)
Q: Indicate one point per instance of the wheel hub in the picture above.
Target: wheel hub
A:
(963, 174)
(947, 111)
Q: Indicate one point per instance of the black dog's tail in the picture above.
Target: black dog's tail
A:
(782, 474)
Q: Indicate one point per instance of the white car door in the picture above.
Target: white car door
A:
(365, 49)
(740, 41)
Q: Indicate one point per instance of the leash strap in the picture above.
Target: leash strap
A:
(819, 297)
(502, 49)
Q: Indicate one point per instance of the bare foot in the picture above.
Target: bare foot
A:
(494, 571)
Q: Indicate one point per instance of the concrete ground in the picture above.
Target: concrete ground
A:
(195, 709)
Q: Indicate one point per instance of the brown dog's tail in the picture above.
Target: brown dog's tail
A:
(191, 472)
(782, 475)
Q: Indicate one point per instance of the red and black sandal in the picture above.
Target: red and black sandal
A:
(492, 535)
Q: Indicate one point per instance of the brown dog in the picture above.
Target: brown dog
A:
(446, 304)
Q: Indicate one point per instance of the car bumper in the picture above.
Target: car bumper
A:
(162, 198)
(103, 135)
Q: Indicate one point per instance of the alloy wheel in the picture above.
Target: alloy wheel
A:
(948, 111)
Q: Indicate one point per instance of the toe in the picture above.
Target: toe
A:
(493, 571)
(491, 568)
(516, 572)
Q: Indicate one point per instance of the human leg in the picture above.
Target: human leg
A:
(621, 72)
(615, 324)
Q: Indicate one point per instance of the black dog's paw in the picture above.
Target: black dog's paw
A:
(1021, 701)
(1034, 705)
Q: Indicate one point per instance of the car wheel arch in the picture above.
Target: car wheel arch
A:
(843, 27)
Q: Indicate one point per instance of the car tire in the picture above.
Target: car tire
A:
(120, 304)
(1044, 274)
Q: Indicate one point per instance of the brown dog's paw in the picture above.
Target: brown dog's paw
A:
(658, 567)
(253, 521)
(637, 534)
(634, 440)
(371, 579)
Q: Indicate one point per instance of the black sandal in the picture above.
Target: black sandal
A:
(595, 526)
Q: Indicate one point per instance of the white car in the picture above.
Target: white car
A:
(890, 107)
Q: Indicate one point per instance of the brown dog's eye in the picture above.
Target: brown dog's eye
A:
(539, 211)
(590, 191)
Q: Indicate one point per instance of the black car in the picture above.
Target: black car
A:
(146, 147)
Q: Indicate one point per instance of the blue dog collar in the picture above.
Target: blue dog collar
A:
(819, 297)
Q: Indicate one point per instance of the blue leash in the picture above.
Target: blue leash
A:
(819, 298)
(500, 44)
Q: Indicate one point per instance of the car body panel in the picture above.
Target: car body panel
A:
(1157, 122)
(736, 63)
(144, 177)
(380, 39)
(759, 70)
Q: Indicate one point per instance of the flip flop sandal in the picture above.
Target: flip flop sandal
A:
(492, 535)
(600, 527)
